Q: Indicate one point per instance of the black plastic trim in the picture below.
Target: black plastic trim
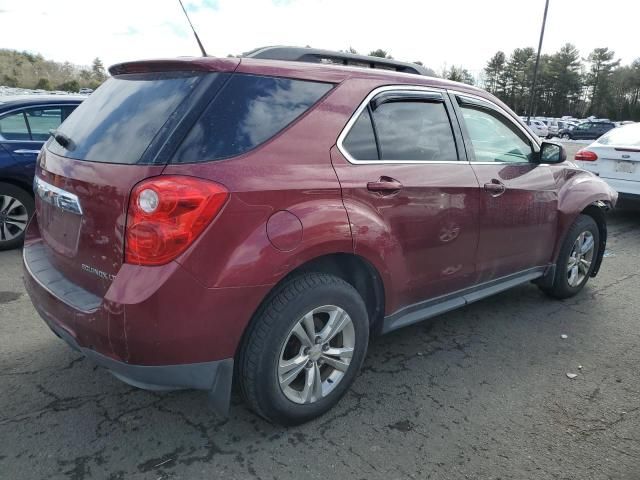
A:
(314, 55)
(436, 306)
(214, 377)
(37, 263)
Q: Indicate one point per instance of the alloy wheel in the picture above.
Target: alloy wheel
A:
(13, 218)
(316, 354)
(580, 258)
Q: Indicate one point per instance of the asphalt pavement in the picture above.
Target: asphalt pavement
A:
(478, 393)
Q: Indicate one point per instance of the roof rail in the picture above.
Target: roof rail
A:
(314, 55)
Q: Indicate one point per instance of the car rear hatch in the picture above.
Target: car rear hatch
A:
(618, 154)
(122, 134)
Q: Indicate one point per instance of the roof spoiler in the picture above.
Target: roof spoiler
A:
(313, 55)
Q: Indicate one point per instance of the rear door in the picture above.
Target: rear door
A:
(16, 139)
(410, 194)
(518, 199)
(25, 131)
(112, 141)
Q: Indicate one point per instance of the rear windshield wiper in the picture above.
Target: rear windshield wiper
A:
(62, 139)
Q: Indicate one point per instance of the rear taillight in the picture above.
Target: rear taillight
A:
(166, 214)
(586, 156)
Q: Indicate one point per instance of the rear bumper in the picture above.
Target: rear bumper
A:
(214, 377)
(156, 328)
(626, 188)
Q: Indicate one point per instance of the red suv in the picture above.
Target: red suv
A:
(202, 221)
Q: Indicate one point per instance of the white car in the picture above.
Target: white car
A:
(538, 127)
(615, 158)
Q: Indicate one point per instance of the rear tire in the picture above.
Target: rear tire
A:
(577, 258)
(16, 208)
(310, 305)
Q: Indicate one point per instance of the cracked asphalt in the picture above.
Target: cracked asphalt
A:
(479, 393)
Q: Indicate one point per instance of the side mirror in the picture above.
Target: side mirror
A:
(552, 153)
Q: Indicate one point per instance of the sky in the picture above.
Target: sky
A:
(452, 32)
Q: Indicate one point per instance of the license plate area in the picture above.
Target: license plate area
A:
(623, 166)
(59, 218)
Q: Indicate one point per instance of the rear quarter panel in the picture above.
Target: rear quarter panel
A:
(291, 172)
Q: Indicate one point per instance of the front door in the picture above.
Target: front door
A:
(412, 199)
(518, 199)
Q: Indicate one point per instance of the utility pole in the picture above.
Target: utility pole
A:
(535, 70)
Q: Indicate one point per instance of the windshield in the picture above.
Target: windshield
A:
(119, 120)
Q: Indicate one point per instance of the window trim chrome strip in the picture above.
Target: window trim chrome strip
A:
(347, 128)
(53, 195)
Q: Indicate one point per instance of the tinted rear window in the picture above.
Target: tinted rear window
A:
(248, 111)
(119, 120)
(627, 136)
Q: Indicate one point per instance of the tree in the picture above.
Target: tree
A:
(494, 73)
(97, 68)
(43, 83)
(69, 86)
(459, 74)
(380, 53)
(564, 75)
(518, 76)
(598, 79)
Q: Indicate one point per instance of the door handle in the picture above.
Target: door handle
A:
(385, 186)
(495, 188)
(23, 151)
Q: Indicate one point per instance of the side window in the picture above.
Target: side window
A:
(14, 127)
(361, 141)
(41, 120)
(495, 138)
(414, 130)
(583, 126)
(249, 110)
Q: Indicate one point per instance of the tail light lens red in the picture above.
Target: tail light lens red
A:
(166, 214)
(586, 156)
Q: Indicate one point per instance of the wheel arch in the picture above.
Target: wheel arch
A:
(597, 210)
(18, 184)
(352, 268)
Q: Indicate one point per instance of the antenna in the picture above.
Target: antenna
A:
(204, 54)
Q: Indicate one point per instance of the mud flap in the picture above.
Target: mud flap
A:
(220, 393)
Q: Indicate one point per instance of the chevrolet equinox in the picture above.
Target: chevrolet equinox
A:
(204, 221)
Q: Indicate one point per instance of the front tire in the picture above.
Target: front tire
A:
(577, 258)
(16, 207)
(303, 349)
(565, 136)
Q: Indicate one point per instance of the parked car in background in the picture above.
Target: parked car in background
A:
(538, 127)
(271, 215)
(587, 131)
(615, 157)
(25, 122)
(85, 91)
(565, 125)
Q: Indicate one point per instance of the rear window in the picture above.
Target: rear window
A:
(248, 111)
(119, 120)
(628, 136)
